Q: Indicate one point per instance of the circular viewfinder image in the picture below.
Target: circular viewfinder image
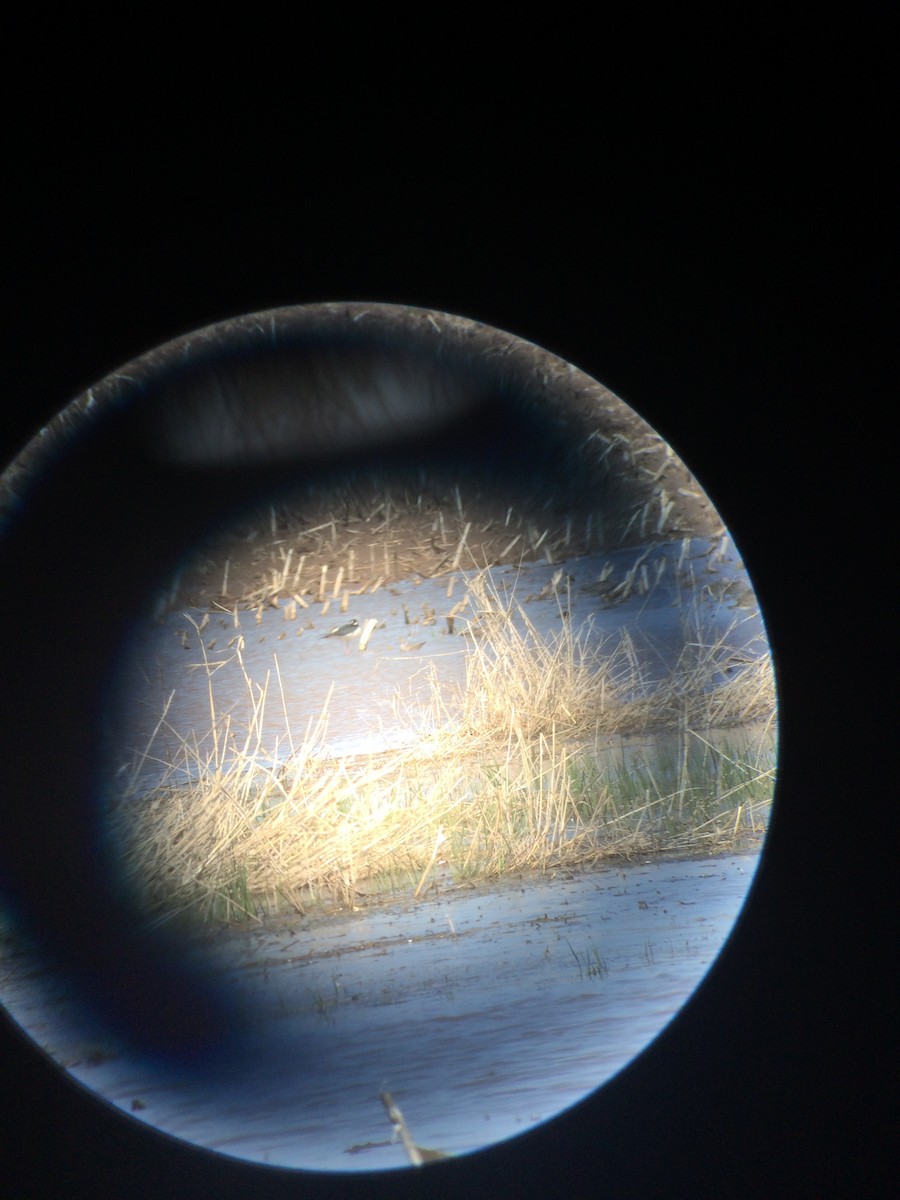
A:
(396, 743)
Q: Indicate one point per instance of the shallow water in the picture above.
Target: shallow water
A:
(483, 1011)
(695, 590)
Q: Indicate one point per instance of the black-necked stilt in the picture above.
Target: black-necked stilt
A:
(347, 631)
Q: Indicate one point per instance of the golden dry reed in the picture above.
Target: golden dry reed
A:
(507, 775)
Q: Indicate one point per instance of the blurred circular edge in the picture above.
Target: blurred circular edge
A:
(171, 434)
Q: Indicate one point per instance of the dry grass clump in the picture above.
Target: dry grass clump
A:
(227, 848)
(512, 782)
(376, 528)
(230, 851)
(519, 682)
(362, 538)
(709, 687)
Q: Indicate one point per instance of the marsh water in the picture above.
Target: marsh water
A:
(484, 1011)
(661, 597)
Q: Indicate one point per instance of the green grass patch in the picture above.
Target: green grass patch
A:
(589, 961)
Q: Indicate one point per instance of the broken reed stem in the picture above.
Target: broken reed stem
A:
(459, 549)
(401, 1129)
(295, 581)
